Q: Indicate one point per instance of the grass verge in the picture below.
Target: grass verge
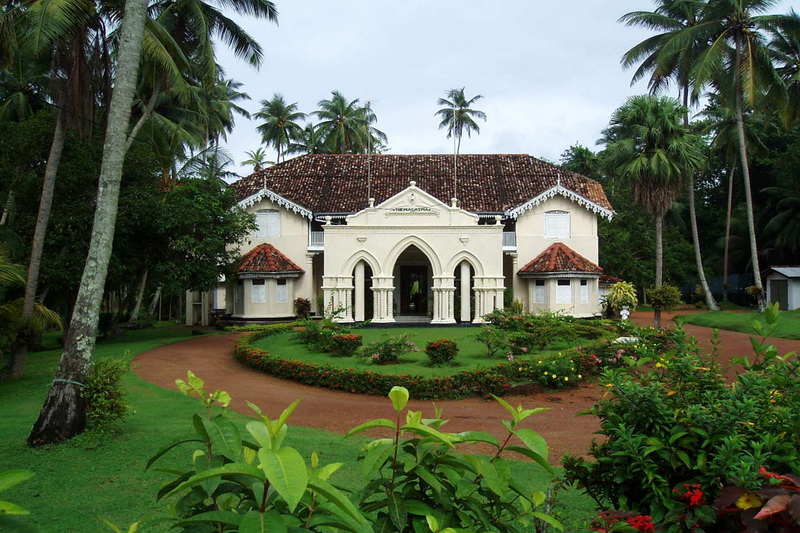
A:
(788, 322)
(101, 475)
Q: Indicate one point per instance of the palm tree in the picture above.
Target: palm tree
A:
(732, 40)
(345, 125)
(785, 47)
(257, 158)
(648, 148)
(670, 17)
(309, 140)
(280, 125)
(458, 116)
(63, 414)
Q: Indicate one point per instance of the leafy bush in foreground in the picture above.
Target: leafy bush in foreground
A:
(416, 479)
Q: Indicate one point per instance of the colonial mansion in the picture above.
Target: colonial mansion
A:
(396, 238)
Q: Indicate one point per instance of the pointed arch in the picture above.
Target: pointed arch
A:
(425, 248)
(470, 258)
(361, 255)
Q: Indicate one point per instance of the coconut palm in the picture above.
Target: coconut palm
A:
(257, 158)
(458, 116)
(648, 148)
(732, 36)
(785, 47)
(309, 140)
(670, 17)
(347, 126)
(280, 123)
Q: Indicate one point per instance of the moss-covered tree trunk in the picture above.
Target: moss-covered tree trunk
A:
(63, 414)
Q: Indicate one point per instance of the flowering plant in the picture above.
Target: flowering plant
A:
(345, 345)
(389, 350)
(441, 351)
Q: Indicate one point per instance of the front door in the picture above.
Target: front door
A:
(414, 290)
(779, 289)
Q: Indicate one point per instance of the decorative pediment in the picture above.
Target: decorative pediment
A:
(566, 193)
(278, 199)
(412, 207)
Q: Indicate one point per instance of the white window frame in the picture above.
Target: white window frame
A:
(539, 291)
(564, 291)
(269, 223)
(584, 291)
(557, 225)
(258, 291)
(282, 291)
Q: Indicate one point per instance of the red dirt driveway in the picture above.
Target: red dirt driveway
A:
(212, 359)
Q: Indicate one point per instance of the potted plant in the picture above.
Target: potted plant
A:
(622, 296)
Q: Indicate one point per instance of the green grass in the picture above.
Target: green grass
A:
(788, 322)
(471, 354)
(102, 475)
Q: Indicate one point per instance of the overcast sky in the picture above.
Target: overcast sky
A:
(549, 72)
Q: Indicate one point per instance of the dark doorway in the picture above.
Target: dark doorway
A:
(413, 290)
(779, 292)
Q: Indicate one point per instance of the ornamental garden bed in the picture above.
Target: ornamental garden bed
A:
(563, 362)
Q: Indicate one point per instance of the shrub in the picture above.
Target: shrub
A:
(495, 339)
(103, 392)
(254, 481)
(622, 293)
(319, 335)
(302, 308)
(389, 350)
(676, 432)
(441, 351)
(665, 298)
(346, 345)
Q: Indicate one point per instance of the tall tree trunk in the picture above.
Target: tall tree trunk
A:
(456, 149)
(727, 235)
(711, 303)
(751, 226)
(698, 258)
(659, 264)
(139, 296)
(7, 208)
(20, 354)
(156, 298)
(64, 412)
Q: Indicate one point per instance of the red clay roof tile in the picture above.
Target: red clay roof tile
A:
(559, 258)
(267, 258)
(486, 182)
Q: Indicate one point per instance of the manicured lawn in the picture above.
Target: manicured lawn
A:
(102, 476)
(788, 322)
(471, 354)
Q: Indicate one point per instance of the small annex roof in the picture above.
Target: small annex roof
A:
(487, 183)
(791, 272)
(608, 279)
(560, 258)
(265, 259)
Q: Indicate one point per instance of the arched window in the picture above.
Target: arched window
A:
(556, 225)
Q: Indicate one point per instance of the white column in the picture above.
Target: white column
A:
(478, 306)
(465, 291)
(516, 292)
(359, 289)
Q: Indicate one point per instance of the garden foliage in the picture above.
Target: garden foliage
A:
(441, 351)
(389, 349)
(103, 392)
(676, 432)
(8, 479)
(415, 479)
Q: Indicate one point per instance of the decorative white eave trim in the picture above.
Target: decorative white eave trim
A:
(567, 193)
(278, 199)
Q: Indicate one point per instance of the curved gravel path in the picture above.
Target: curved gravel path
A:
(211, 358)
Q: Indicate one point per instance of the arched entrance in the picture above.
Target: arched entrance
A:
(464, 276)
(413, 298)
(362, 303)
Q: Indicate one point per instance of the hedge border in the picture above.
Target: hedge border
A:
(480, 382)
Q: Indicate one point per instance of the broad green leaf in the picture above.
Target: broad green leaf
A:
(418, 508)
(426, 431)
(532, 440)
(286, 472)
(260, 432)
(508, 407)
(541, 461)
(7, 508)
(492, 479)
(429, 478)
(164, 451)
(549, 519)
(375, 458)
(397, 510)
(413, 418)
(328, 470)
(379, 423)
(9, 478)
(538, 498)
(225, 437)
(238, 469)
(433, 524)
(335, 496)
(286, 414)
(478, 436)
(269, 522)
(212, 517)
(399, 397)
(222, 397)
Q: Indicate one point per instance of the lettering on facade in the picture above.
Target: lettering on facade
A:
(413, 209)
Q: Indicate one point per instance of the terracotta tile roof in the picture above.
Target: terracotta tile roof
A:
(608, 279)
(559, 258)
(486, 183)
(267, 258)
